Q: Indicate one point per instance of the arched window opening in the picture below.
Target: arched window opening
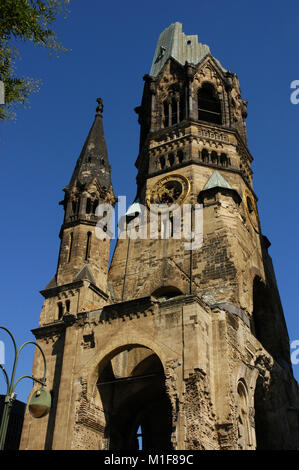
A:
(243, 418)
(205, 156)
(166, 292)
(135, 402)
(162, 163)
(223, 160)
(166, 113)
(174, 111)
(95, 205)
(75, 206)
(171, 159)
(88, 206)
(139, 438)
(209, 106)
(214, 158)
(180, 155)
(60, 310)
(88, 245)
(67, 306)
(182, 108)
(70, 246)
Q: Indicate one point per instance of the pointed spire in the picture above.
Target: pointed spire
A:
(93, 161)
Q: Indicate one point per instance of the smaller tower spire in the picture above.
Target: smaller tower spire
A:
(93, 160)
(81, 276)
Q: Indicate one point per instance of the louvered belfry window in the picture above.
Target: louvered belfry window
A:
(209, 106)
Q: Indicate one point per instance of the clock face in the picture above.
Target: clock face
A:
(251, 210)
(172, 189)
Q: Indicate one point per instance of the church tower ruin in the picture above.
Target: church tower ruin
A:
(178, 346)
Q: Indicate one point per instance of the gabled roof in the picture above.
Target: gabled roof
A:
(176, 44)
(217, 181)
(85, 274)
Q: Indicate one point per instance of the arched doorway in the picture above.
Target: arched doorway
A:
(136, 406)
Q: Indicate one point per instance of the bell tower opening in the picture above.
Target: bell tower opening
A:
(135, 401)
(209, 106)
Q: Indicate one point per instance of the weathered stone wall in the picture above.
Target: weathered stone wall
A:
(205, 355)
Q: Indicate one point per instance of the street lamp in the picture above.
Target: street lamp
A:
(40, 402)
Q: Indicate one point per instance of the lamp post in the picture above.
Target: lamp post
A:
(40, 402)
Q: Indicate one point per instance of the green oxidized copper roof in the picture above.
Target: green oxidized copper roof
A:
(217, 181)
(174, 43)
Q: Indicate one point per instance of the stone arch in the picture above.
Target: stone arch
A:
(118, 343)
(175, 278)
(172, 104)
(247, 376)
(133, 394)
(243, 415)
(166, 292)
(209, 104)
(206, 71)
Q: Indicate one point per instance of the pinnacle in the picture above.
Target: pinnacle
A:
(93, 161)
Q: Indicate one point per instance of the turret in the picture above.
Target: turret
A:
(80, 282)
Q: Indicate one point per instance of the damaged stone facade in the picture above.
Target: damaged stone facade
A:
(180, 349)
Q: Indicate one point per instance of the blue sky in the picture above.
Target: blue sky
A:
(111, 46)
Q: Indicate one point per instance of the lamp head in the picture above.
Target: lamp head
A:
(40, 403)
